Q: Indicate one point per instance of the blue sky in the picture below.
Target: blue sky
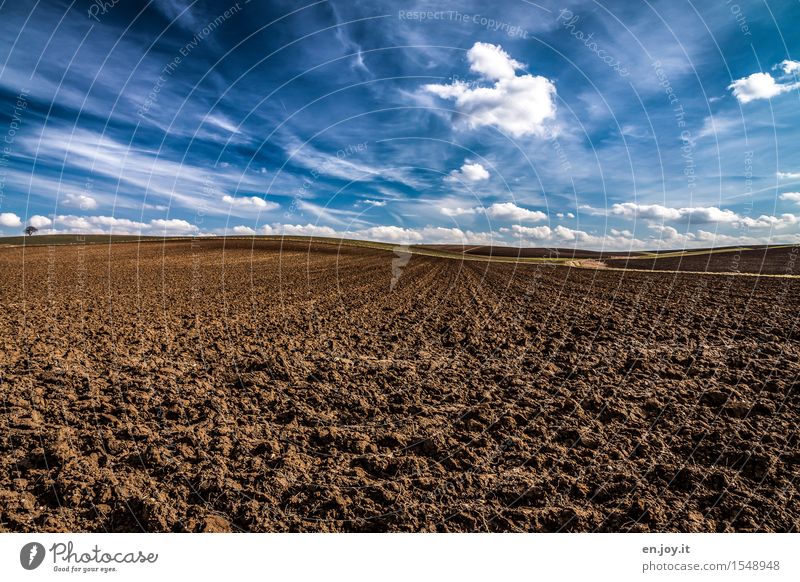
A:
(588, 124)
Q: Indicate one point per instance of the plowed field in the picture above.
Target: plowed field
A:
(240, 386)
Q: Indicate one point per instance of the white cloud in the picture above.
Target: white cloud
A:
(468, 173)
(759, 86)
(567, 234)
(670, 235)
(519, 105)
(559, 235)
(346, 164)
(702, 214)
(716, 126)
(590, 210)
(298, 230)
(632, 210)
(249, 202)
(707, 239)
(222, 123)
(531, 232)
(458, 211)
(629, 130)
(708, 214)
(790, 67)
(243, 230)
(82, 201)
(70, 223)
(492, 62)
(428, 234)
(510, 211)
(390, 234)
(139, 171)
(172, 226)
(788, 175)
(791, 197)
(775, 222)
(377, 203)
(39, 221)
(9, 219)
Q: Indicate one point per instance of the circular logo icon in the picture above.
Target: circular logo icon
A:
(31, 555)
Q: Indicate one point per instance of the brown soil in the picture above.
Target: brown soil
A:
(191, 387)
(523, 252)
(774, 260)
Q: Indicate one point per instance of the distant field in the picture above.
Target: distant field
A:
(767, 260)
(68, 239)
(521, 252)
(774, 260)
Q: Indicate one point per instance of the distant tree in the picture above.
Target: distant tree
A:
(31, 230)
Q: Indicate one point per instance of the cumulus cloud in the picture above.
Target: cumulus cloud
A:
(517, 104)
(172, 226)
(561, 235)
(704, 238)
(39, 221)
(775, 222)
(390, 234)
(443, 235)
(510, 211)
(10, 220)
(567, 234)
(428, 234)
(531, 232)
(492, 62)
(468, 173)
(249, 202)
(791, 197)
(700, 214)
(298, 230)
(671, 236)
(387, 233)
(82, 201)
(788, 175)
(759, 86)
(70, 223)
(790, 67)
(632, 210)
(242, 230)
(457, 211)
(708, 214)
